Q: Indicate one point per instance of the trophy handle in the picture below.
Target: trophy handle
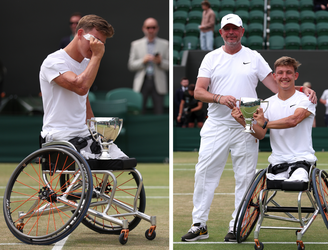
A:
(266, 106)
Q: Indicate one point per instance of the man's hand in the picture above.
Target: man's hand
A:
(236, 113)
(97, 47)
(259, 117)
(311, 94)
(148, 58)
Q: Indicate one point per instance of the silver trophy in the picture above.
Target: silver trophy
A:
(105, 130)
(248, 107)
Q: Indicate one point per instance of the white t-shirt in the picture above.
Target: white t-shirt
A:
(235, 75)
(291, 144)
(64, 111)
(325, 97)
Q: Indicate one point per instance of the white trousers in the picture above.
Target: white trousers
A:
(217, 141)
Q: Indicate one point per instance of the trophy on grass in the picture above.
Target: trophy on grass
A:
(105, 130)
(248, 107)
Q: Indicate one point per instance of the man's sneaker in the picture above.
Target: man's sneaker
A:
(230, 237)
(196, 232)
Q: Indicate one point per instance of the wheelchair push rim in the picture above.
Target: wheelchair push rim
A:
(37, 209)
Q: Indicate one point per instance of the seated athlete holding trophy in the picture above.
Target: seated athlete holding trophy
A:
(289, 116)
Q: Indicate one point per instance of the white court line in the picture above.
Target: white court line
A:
(249, 243)
(59, 245)
(214, 194)
(11, 244)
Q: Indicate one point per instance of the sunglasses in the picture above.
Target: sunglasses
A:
(151, 27)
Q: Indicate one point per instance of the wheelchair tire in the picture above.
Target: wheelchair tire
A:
(127, 183)
(320, 188)
(244, 197)
(37, 209)
(250, 207)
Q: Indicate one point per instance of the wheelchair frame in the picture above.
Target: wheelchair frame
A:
(254, 207)
(54, 189)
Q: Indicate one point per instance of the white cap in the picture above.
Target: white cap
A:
(233, 19)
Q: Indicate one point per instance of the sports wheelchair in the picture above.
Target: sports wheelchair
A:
(260, 202)
(54, 189)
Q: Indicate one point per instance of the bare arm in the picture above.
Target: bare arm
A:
(203, 95)
(288, 122)
(80, 84)
(270, 83)
(199, 107)
(180, 110)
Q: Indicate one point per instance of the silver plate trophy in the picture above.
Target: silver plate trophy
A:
(248, 107)
(105, 130)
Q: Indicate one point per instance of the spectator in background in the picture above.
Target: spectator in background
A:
(207, 27)
(178, 97)
(191, 110)
(309, 85)
(320, 5)
(73, 21)
(324, 101)
(149, 58)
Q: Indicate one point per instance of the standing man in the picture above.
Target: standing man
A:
(324, 101)
(65, 79)
(149, 58)
(225, 74)
(207, 27)
(73, 21)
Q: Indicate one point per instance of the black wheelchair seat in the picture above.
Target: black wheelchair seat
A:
(112, 164)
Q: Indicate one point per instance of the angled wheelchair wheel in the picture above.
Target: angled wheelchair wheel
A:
(123, 202)
(249, 207)
(37, 208)
(320, 188)
(244, 197)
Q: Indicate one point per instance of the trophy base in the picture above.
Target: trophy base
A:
(251, 131)
(105, 156)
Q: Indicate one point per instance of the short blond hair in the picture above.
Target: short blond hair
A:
(287, 61)
(89, 22)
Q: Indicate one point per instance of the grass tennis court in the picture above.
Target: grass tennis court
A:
(223, 205)
(156, 182)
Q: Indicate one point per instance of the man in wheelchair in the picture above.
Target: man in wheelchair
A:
(65, 79)
(289, 117)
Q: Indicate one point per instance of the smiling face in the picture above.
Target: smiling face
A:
(232, 34)
(285, 76)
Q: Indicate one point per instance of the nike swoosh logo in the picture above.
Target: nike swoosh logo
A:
(246, 63)
(201, 233)
(229, 18)
(292, 105)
